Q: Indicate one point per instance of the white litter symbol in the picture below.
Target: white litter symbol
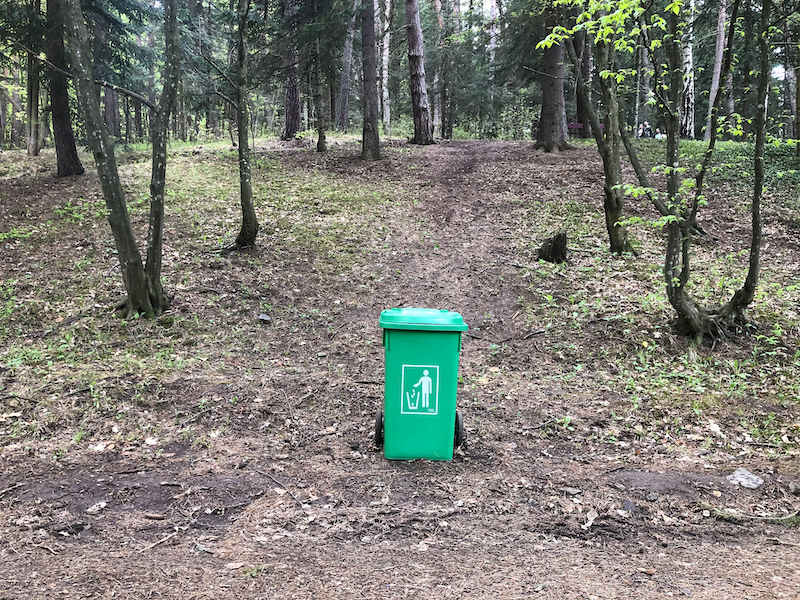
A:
(420, 390)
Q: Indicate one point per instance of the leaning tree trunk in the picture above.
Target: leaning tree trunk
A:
(66, 153)
(102, 148)
(733, 311)
(343, 100)
(159, 128)
(716, 78)
(551, 135)
(370, 142)
(419, 91)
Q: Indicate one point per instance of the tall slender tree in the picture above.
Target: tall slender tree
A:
(343, 98)
(370, 142)
(143, 296)
(249, 230)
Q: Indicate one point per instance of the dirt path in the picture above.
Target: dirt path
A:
(286, 498)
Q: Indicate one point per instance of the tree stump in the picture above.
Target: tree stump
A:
(554, 249)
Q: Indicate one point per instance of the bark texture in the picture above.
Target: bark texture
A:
(249, 230)
(102, 148)
(423, 133)
(370, 141)
(552, 133)
(158, 174)
(386, 28)
(292, 62)
(67, 159)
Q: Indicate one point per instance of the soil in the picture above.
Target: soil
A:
(279, 491)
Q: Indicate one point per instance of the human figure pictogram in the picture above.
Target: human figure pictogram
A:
(427, 387)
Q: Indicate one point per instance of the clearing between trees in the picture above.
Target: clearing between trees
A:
(224, 450)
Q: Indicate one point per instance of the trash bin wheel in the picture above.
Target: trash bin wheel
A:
(378, 437)
(458, 437)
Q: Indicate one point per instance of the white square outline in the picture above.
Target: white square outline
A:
(402, 386)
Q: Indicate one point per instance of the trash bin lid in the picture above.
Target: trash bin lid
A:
(425, 319)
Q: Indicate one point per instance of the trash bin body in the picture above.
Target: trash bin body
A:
(422, 349)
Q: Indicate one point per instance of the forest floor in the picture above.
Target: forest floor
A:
(225, 449)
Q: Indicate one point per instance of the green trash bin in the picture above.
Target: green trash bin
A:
(419, 417)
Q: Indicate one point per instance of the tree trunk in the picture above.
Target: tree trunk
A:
(320, 103)
(687, 107)
(2, 117)
(386, 28)
(583, 50)
(551, 135)
(608, 143)
(249, 231)
(112, 113)
(370, 141)
(292, 63)
(716, 76)
(33, 92)
(166, 104)
(343, 100)
(292, 98)
(66, 152)
(416, 65)
(733, 312)
(130, 260)
(790, 89)
(137, 119)
(17, 127)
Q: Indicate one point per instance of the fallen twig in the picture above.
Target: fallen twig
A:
(533, 333)
(782, 543)
(9, 489)
(178, 529)
(283, 485)
(45, 547)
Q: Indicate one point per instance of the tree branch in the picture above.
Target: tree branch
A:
(220, 71)
(105, 84)
(228, 100)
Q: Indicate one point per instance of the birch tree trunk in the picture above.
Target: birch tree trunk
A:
(687, 108)
(717, 73)
(370, 141)
(416, 65)
(249, 231)
(386, 28)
